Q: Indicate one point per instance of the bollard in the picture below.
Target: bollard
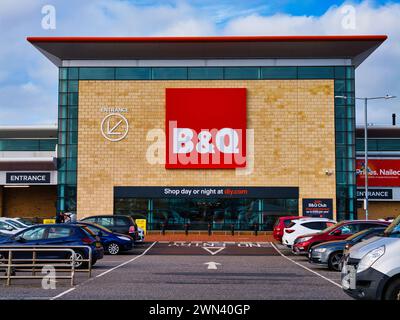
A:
(209, 229)
(233, 229)
(186, 228)
(163, 229)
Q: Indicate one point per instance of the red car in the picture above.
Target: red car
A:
(282, 223)
(339, 231)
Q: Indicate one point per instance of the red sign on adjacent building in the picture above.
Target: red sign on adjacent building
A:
(381, 172)
(205, 128)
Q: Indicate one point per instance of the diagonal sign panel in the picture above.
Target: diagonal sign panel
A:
(213, 250)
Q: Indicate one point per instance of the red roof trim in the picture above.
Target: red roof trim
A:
(212, 39)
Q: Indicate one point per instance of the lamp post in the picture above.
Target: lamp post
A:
(366, 143)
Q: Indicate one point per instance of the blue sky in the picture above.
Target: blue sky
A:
(28, 81)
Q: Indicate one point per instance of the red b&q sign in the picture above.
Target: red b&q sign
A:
(206, 128)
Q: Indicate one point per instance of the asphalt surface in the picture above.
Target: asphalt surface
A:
(194, 270)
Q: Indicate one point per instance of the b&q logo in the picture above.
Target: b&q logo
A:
(206, 128)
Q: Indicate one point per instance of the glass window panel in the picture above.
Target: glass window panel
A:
(73, 98)
(63, 73)
(340, 87)
(62, 137)
(61, 177)
(96, 73)
(63, 86)
(61, 191)
(279, 73)
(316, 72)
(241, 73)
(73, 112)
(62, 124)
(205, 73)
(340, 72)
(132, 73)
(73, 86)
(350, 72)
(73, 73)
(62, 163)
(72, 137)
(62, 99)
(72, 151)
(71, 165)
(62, 112)
(47, 144)
(169, 73)
(71, 177)
(72, 125)
(62, 150)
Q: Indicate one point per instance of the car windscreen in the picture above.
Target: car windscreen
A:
(287, 222)
(15, 223)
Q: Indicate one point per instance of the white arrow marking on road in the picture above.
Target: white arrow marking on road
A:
(212, 265)
(111, 132)
(217, 250)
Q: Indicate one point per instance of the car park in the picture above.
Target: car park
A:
(329, 254)
(299, 227)
(113, 243)
(371, 269)
(116, 223)
(340, 231)
(280, 224)
(57, 235)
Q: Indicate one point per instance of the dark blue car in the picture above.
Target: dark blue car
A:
(112, 242)
(56, 235)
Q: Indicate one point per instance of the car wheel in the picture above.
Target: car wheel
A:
(335, 261)
(113, 248)
(393, 291)
(79, 257)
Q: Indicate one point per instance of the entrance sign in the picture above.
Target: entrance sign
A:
(321, 208)
(27, 177)
(375, 194)
(205, 128)
(114, 127)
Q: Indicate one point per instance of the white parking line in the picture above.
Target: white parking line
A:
(104, 273)
(126, 262)
(304, 267)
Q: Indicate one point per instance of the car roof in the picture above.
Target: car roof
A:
(310, 219)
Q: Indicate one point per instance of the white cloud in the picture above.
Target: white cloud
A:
(23, 67)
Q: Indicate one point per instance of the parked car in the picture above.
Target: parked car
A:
(15, 223)
(57, 234)
(299, 227)
(113, 243)
(371, 269)
(280, 224)
(340, 231)
(25, 221)
(116, 223)
(8, 228)
(330, 254)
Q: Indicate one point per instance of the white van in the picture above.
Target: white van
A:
(371, 269)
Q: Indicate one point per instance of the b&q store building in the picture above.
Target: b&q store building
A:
(199, 130)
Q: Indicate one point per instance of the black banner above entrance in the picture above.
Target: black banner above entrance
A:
(207, 192)
(27, 177)
(375, 194)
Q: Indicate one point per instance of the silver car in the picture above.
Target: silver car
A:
(371, 269)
